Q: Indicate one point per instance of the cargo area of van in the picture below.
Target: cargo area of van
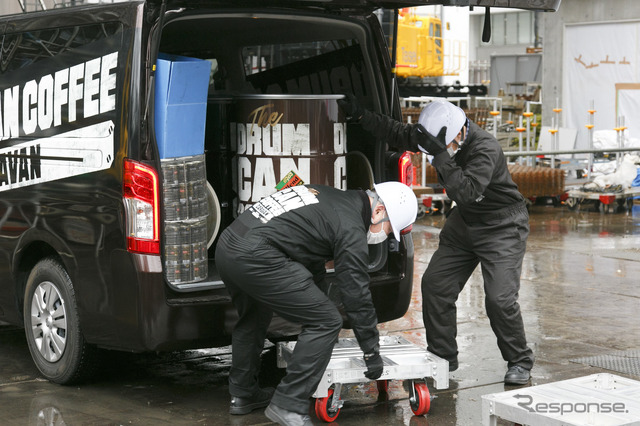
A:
(271, 110)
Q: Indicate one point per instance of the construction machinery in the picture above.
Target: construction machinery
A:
(423, 55)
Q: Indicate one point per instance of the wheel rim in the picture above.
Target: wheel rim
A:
(49, 321)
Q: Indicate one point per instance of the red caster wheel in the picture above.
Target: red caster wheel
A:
(323, 408)
(420, 399)
(383, 386)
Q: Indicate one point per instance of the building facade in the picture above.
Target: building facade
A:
(590, 47)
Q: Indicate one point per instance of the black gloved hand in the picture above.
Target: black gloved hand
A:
(434, 145)
(351, 108)
(375, 365)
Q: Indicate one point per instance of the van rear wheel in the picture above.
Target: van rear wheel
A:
(52, 325)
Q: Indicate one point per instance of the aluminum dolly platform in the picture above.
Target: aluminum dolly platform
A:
(599, 399)
(402, 361)
(606, 199)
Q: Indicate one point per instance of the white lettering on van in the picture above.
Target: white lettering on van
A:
(29, 110)
(277, 140)
(340, 173)
(40, 103)
(339, 138)
(76, 89)
(73, 153)
(10, 106)
(266, 154)
(45, 102)
(108, 82)
(20, 165)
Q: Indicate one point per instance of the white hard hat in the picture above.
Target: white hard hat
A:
(401, 204)
(438, 114)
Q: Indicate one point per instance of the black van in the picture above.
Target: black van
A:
(132, 133)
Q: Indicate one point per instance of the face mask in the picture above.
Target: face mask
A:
(376, 237)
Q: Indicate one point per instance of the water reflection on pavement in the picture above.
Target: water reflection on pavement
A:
(579, 297)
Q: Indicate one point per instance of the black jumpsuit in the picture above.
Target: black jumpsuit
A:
(489, 225)
(270, 259)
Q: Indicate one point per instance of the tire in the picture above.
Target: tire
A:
(621, 205)
(52, 325)
(421, 401)
(323, 409)
(572, 203)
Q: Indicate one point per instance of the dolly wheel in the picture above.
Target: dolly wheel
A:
(421, 401)
(572, 203)
(383, 386)
(323, 408)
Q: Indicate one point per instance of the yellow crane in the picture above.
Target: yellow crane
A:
(420, 45)
(423, 54)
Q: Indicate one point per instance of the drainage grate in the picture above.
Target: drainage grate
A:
(626, 362)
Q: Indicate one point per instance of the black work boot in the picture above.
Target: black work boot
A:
(517, 375)
(453, 365)
(246, 405)
(285, 417)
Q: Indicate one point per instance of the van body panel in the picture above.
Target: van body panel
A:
(77, 101)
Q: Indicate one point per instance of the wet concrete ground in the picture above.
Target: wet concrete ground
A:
(580, 297)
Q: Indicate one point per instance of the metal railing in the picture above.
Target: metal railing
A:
(569, 151)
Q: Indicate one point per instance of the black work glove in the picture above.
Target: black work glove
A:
(434, 145)
(351, 108)
(374, 364)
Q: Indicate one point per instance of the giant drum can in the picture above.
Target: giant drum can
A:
(277, 134)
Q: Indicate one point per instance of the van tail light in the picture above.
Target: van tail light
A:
(140, 194)
(405, 169)
(406, 175)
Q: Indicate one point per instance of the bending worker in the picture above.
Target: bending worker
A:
(270, 259)
(489, 225)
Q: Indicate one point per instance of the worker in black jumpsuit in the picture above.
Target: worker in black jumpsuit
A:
(489, 225)
(270, 259)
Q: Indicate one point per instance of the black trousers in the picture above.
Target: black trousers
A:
(498, 244)
(262, 280)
